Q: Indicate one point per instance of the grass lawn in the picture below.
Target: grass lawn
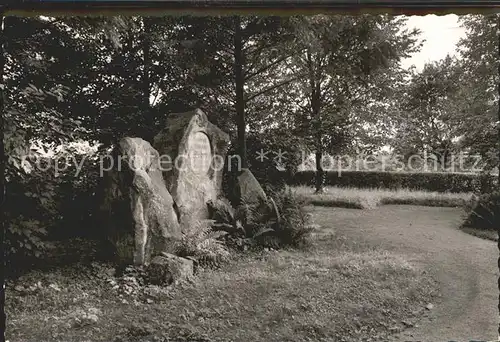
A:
(371, 198)
(337, 290)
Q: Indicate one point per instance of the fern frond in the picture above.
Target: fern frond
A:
(203, 244)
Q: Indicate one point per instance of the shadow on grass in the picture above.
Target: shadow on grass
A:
(487, 234)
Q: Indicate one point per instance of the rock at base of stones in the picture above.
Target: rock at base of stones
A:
(166, 269)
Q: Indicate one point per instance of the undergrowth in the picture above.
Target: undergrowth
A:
(204, 245)
(278, 221)
(483, 216)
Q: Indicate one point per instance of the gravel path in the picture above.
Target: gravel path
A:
(465, 266)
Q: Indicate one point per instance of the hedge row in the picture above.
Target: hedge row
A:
(440, 182)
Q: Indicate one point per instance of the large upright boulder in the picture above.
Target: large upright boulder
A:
(241, 187)
(138, 208)
(249, 189)
(192, 153)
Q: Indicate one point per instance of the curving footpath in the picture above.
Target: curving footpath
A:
(465, 267)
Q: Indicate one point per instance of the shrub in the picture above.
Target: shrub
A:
(484, 212)
(30, 210)
(430, 181)
(294, 227)
(280, 221)
(25, 241)
(77, 195)
(43, 205)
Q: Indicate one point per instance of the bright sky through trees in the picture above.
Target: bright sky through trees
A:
(440, 35)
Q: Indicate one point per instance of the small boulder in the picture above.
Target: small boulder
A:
(166, 269)
(250, 190)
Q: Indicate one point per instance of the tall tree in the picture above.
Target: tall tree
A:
(479, 81)
(240, 90)
(3, 162)
(130, 77)
(428, 119)
(345, 62)
(246, 54)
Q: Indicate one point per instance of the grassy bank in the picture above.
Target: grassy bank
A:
(338, 290)
(481, 233)
(372, 198)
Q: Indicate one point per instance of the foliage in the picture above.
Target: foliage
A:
(269, 153)
(147, 67)
(309, 83)
(294, 227)
(204, 245)
(427, 119)
(479, 82)
(77, 190)
(430, 181)
(276, 222)
(30, 210)
(34, 107)
(345, 63)
(484, 212)
(24, 240)
(47, 202)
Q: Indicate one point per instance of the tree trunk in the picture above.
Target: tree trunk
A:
(146, 86)
(2, 186)
(320, 173)
(498, 127)
(443, 154)
(240, 97)
(314, 83)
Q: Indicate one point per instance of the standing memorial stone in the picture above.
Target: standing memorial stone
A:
(192, 152)
(137, 207)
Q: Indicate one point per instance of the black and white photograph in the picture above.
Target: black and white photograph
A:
(250, 176)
